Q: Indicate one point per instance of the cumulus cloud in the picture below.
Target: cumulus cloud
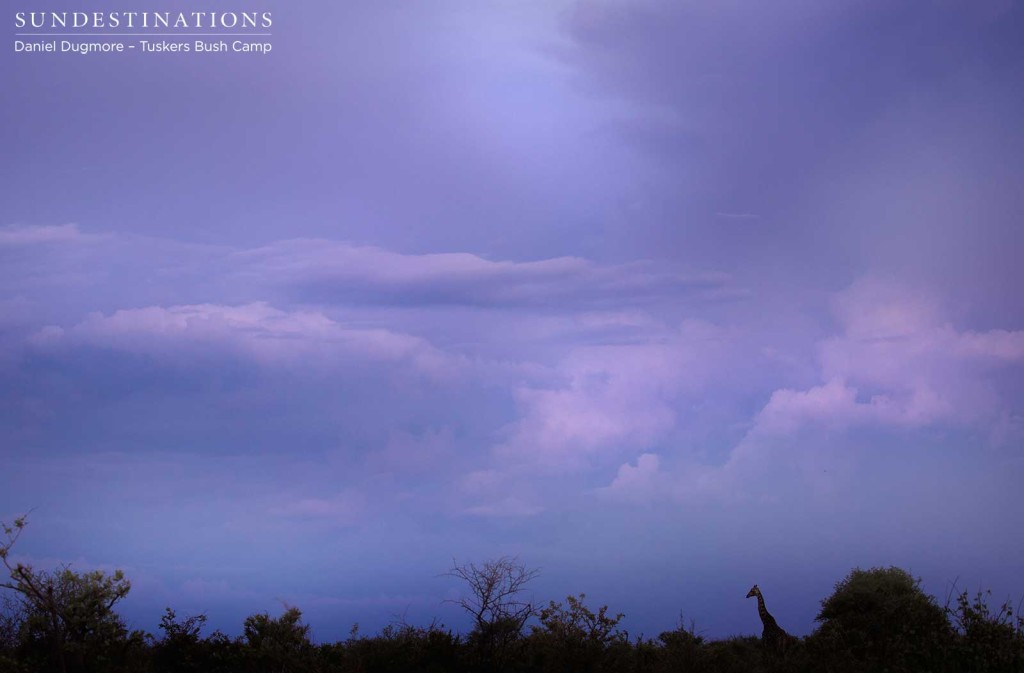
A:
(637, 481)
(874, 308)
(915, 367)
(896, 363)
(551, 404)
(896, 366)
(612, 398)
(788, 410)
(614, 376)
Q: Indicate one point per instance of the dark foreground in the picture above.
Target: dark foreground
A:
(62, 621)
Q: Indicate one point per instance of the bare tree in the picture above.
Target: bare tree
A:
(496, 603)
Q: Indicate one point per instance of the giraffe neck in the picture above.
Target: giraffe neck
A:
(766, 617)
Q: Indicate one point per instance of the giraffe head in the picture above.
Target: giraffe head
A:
(754, 591)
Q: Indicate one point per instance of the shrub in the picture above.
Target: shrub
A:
(180, 649)
(880, 618)
(986, 640)
(400, 648)
(683, 648)
(280, 644)
(573, 637)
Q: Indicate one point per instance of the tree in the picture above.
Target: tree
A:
(181, 648)
(280, 644)
(986, 639)
(683, 648)
(578, 624)
(72, 613)
(496, 605)
(573, 637)
(882, 618)
(400, 647)
(12, 616)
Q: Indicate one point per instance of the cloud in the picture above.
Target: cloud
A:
(113, 271)
(896, 364)
(611, 399)
(917, 368)
(897, 367)
(342, 509)
(497, 493)
(640, 481)
(12, 236)
(508, 506)
(618, 371)
(660, 392)
(873, 308)
(257, 331)
(415, 454)
(788, 410)
(336, 271)
(205, 590)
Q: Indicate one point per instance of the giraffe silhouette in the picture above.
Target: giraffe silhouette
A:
(776, 641)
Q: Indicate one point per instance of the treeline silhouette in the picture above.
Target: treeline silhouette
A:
(879, 619)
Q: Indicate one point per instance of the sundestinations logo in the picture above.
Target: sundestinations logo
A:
(178, 32)
(143, 20)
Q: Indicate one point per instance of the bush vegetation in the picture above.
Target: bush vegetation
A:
(878, 619)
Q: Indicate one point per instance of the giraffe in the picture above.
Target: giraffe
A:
(775, 640)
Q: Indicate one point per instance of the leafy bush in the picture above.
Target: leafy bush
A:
(880, 618)
(682, 648)
(572, 637)
(742, 654)
(986, 640)
(280, 644)
(67, 618)
(181, 648)
(400, 648)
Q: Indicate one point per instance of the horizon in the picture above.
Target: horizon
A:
(664, 299)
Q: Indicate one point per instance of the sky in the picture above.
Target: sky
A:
(663, 298)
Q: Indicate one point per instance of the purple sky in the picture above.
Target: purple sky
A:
(665, 298)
